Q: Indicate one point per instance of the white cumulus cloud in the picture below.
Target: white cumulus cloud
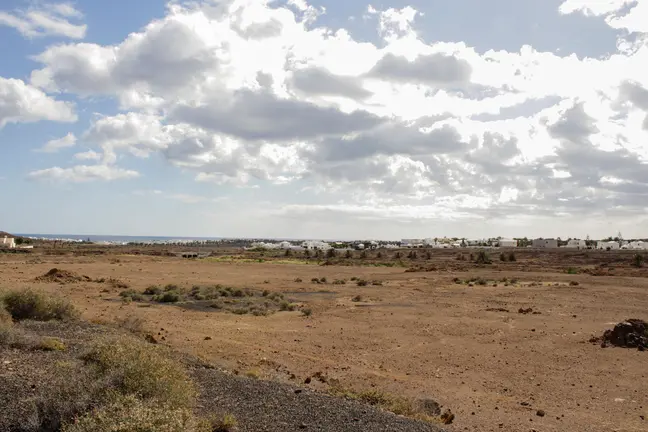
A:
(46, 20)
(23, 103)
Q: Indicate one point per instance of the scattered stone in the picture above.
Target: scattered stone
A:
(540, 413)
(320, 377)
(447, 417)
(208, 338)
(307, 380)
(297, 391)
(429, 407)
(631, 333)
(525, 403)
(151, 339)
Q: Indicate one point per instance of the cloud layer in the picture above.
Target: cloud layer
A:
(238, 92)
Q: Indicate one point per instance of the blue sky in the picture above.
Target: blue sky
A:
(324, 119)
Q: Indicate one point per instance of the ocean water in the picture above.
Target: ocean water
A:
(115, 239)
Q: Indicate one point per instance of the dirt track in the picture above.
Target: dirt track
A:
(418, 335)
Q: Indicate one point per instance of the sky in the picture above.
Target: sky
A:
(325, 118)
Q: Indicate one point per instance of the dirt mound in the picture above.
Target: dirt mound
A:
(631, 333)
(61, 276)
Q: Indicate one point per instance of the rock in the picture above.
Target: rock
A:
(297, 391)
(303, 426)
(208, 338)
(540, 413)
(429, 407)
(307, 380)
(447, 417)
(151, 339)
(525, 311)
(631, 333)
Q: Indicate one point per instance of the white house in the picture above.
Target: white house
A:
(412, 243)
(605, 245)
(545, 243)
(316, 244)
(8, 242)
(507, 243)
(576, 244)
(285, 245)
(637, 245)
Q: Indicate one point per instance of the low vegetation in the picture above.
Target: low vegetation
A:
(391, 403)
(482, 258)
(638, 260)
(239, 301)
(129, 413)
(510, 257)
(34, 305)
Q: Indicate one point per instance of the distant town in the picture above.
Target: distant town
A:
(8, 241)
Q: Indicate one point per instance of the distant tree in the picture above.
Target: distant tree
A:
(331, 253)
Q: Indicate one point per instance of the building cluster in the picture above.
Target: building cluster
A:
(7, 242)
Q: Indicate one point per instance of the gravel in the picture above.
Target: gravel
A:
(270, 406)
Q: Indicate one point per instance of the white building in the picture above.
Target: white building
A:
(607, 245)
(412, 243)
(507, 243)
(636, 245)
(576, 244)
(316, 244)
(8, 242)
(545, 243)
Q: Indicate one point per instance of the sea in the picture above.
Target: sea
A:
(117, 239)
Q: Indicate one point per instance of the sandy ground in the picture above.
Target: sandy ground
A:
(418, 335)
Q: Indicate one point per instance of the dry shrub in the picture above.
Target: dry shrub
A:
(51, 344)
(225, 423)
(5, 316)
(29, 304)
(131, 323)
(129, 414)
(142, 370)
(69, 390)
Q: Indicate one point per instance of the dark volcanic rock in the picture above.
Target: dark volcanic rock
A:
(631, 333)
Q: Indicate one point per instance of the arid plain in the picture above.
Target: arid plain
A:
(504, 345)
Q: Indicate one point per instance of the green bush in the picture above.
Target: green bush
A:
(482, 257)
(132, 295)
(153, 290)
(287, 306)
(307, 312)
(168, 297)
(362, 282)
(29, 304)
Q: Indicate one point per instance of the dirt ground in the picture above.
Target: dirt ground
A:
(418, 335)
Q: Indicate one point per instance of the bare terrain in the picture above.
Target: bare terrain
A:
(505, 345)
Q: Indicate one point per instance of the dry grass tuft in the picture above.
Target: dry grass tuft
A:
(142, 370)
(51, 344)
(129, 414)
(29, 304)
